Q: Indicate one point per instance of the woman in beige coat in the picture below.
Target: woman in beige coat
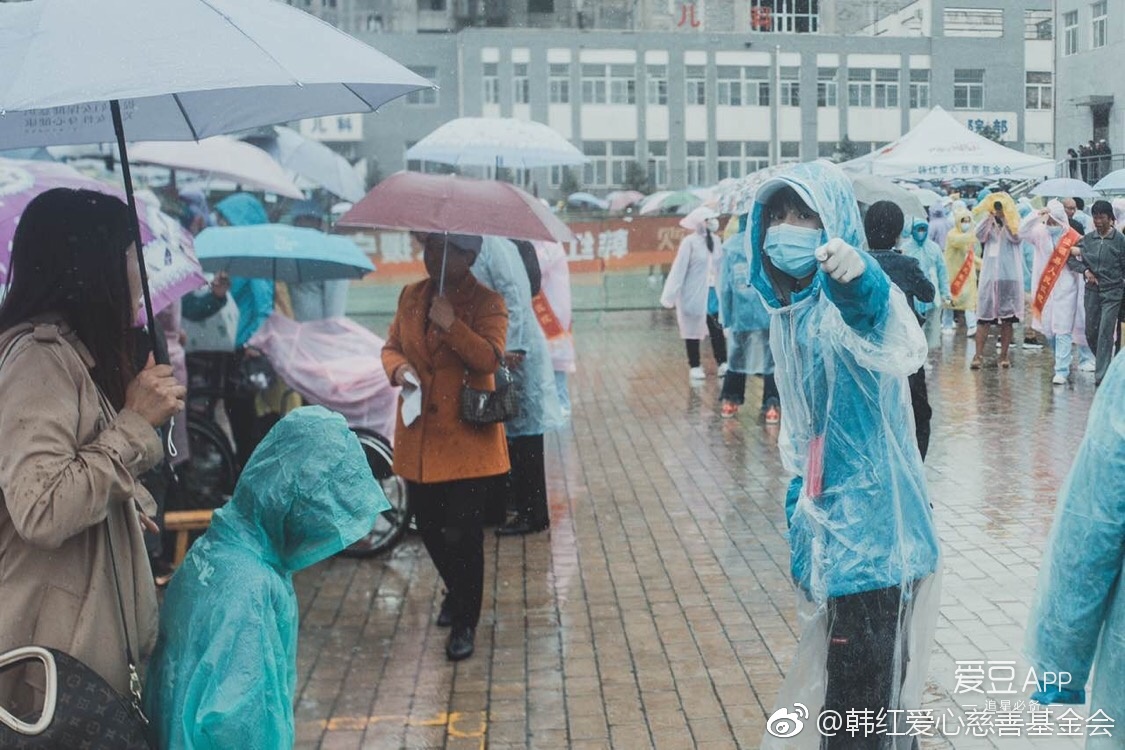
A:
(76, 429)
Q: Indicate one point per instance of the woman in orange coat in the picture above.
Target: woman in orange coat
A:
(443, 336)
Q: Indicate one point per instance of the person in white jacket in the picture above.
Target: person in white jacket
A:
(690, 289)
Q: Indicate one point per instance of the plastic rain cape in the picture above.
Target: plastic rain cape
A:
(223, 675)
(1081, 593)
(860, 523)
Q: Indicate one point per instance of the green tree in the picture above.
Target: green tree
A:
(846, 150)
(636, 178)
(990, 133)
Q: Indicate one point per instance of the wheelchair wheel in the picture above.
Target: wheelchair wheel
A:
(208, 477)
(391, 523)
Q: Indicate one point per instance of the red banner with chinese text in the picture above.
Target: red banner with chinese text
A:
(1053, 270)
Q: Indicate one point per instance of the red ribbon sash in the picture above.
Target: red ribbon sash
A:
(548, 321)
(962, 274)
(1053, 270)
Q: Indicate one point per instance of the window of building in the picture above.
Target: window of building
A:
(1038, 25)
(697, 163)
(1098, 28)
(975, 22)
(1039, 90)
(521, 85)
(793, 16)
(695, 82)
(595, 84)
(790, 151)
(790, 87)
(423, 97)
(740, 158)
(658, 163)
(539, 6)
(919, 89)
(826, 87)
(491, 83)
(730, 159)
(826, 149)
(886, 88)
(656, 84)
(558, 83)
(744, 85)
(968, 88)
(596, 171)
(1070, 32)
(432, 5)
(621, 155)
(873, 87)
(555, 179)
(622, 84)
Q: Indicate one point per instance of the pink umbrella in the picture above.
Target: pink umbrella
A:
(173, 270)
(457, 205)
(622, 199)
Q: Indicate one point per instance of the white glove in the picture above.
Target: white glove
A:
(840, 260)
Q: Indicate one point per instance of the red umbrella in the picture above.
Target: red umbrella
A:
(456, 205)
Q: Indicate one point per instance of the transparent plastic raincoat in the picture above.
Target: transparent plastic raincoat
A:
(741, 309)
(1001, 271)
(694, 273)
(1064, 312)
(932, 261)
(500, 269)
(860, 523)
(959, 245)
(1078, 617)
(224, 672)
(940, 223)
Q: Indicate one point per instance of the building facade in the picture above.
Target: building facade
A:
(693, 105)
(1089, 47)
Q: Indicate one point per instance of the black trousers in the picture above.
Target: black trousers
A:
(527, 485)
(449, 517)
(718, 343)
(734, 389)
(867, 655)
(920, 402)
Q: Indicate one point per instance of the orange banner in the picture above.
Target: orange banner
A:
(962, 274)
(1053, 270)
(599, 245)
(548, 321)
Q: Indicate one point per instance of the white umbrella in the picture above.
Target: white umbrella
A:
(496, 141)
(1065, 187)
(177, 70)
(313, 161)
(870, 189)
(1112, 183)
(926, 196)
(219, 156)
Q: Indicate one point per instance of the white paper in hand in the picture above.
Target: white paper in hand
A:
(411, 399)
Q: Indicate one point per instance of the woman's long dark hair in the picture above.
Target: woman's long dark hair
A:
(68, 257)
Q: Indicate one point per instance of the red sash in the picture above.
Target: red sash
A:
(962, 274)
(1053, 270)
(548, 321)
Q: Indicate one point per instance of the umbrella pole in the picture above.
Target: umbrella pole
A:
(159, 349)
(444, 255)
(159, 346)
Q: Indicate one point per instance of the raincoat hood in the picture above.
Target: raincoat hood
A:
(829, 193)
(920, 225)
(242, 209)
(1011, 212)
(958, 238)
(306, 493)
(937, 212)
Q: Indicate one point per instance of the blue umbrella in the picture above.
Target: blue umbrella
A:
(280, 252)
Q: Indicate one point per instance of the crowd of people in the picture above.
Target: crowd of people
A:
(836, 306)
(1090, 161)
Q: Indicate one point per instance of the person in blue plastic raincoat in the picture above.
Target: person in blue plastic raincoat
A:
(500, 269)
(931, 258)
(1078, 618)
(254, 297)
(745, 317)
(864, 551)
(224, 672)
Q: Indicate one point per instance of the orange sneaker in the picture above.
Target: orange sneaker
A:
(728, 410)
(773, 415)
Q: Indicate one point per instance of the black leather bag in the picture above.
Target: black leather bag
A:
(489, 407)
(81, 709)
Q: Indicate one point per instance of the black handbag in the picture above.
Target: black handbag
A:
(489, 407)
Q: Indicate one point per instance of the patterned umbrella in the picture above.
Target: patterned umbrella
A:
(173, 270)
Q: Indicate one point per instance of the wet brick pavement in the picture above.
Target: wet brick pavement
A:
(657, 613)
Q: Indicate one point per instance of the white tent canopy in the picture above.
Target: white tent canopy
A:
(939, 147)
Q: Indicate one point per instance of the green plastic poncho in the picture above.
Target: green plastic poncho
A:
(223, 675)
